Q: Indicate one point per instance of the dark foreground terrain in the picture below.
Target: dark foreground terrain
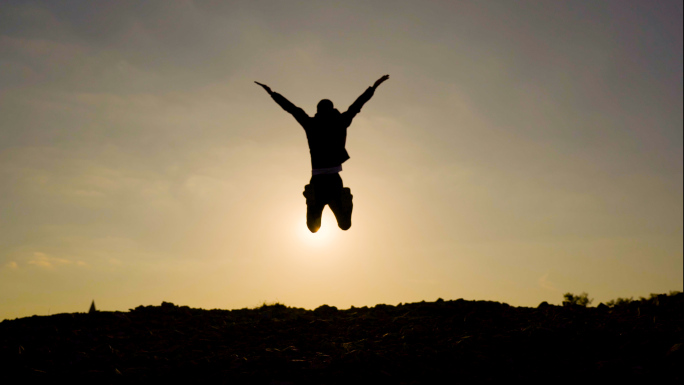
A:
(427, 342)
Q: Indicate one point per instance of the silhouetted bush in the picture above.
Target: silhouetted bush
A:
(653, 299)
(578, 300)
(619, 302)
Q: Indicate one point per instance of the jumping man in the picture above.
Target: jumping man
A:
(326, 133)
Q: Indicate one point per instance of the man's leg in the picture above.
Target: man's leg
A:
(342, 207)
(314, 209)
(313, 217)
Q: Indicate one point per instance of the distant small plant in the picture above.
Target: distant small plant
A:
(579, 300)
(266, 305)
(653, 299)
(619, 302)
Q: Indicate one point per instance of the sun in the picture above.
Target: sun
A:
(326, 234)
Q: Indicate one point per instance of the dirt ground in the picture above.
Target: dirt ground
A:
(416, 343)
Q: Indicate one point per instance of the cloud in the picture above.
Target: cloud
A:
(12, 265)
(45, 261)
(545, 284)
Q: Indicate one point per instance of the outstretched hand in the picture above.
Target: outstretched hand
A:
(267, 88)
(379, 81)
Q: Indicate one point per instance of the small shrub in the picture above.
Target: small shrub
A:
(268, 305)
(619, 302)
(578, 300)
(653, 299)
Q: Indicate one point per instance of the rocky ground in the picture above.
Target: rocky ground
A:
(461, 341)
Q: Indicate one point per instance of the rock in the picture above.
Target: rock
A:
(325, 310)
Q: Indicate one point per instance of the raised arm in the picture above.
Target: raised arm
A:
(379, 81)
(355, 108)
(286, 105)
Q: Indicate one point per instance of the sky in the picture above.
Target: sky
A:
(518, 151)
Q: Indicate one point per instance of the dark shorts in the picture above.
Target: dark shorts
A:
(326, 186)
(327, 189)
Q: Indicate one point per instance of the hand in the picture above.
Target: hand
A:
(379, 81)
(267, 88)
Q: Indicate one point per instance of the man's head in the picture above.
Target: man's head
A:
(325, 106)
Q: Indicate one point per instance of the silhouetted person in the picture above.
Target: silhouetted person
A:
(326, 133)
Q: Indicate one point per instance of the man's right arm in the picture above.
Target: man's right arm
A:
(286, 105)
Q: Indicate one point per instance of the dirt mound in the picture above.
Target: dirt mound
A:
(463, 341)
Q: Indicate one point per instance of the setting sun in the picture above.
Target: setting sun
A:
(325, 235)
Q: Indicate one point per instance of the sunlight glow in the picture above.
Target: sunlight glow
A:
(325, 235)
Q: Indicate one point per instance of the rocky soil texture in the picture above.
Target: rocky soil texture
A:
(416, 343)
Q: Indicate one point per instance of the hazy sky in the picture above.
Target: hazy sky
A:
(519, 150)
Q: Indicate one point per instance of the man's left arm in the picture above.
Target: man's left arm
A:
(355, 108)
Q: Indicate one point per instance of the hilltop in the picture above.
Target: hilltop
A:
(466, 341)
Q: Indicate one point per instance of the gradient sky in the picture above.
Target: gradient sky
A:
(519, 150)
